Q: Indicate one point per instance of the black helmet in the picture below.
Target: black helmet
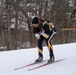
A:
(35, 20)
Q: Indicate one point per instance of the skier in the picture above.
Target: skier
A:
(43, 32)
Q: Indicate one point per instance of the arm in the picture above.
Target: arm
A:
(46, 32)
(36, 32)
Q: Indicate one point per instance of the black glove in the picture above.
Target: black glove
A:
(54, 29)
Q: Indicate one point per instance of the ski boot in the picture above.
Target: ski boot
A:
(51, 60)
(40, 59)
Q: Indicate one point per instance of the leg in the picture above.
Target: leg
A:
(40, 49)
(50, 48)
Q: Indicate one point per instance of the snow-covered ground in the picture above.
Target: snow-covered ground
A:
(9, 60)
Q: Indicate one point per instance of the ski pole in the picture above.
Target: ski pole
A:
(67, 29)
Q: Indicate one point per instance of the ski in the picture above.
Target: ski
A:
(29, 65)
(44, 65)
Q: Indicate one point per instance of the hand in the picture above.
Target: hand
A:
(37, 35)
(54, 29)
(41, 31)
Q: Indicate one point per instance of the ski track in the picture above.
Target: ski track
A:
(9, 60)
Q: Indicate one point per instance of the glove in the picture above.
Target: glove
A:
(37, 35)
(41, 31)
(54, 29)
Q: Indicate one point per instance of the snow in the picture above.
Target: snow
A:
(9, 60)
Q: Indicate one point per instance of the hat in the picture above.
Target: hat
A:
(35, 20)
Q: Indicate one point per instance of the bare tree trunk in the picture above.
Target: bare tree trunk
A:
(3, 40)
(16, 25)
(9, 42)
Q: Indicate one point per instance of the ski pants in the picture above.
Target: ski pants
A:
(49, 45)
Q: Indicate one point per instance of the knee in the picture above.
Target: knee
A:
(39, 43)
